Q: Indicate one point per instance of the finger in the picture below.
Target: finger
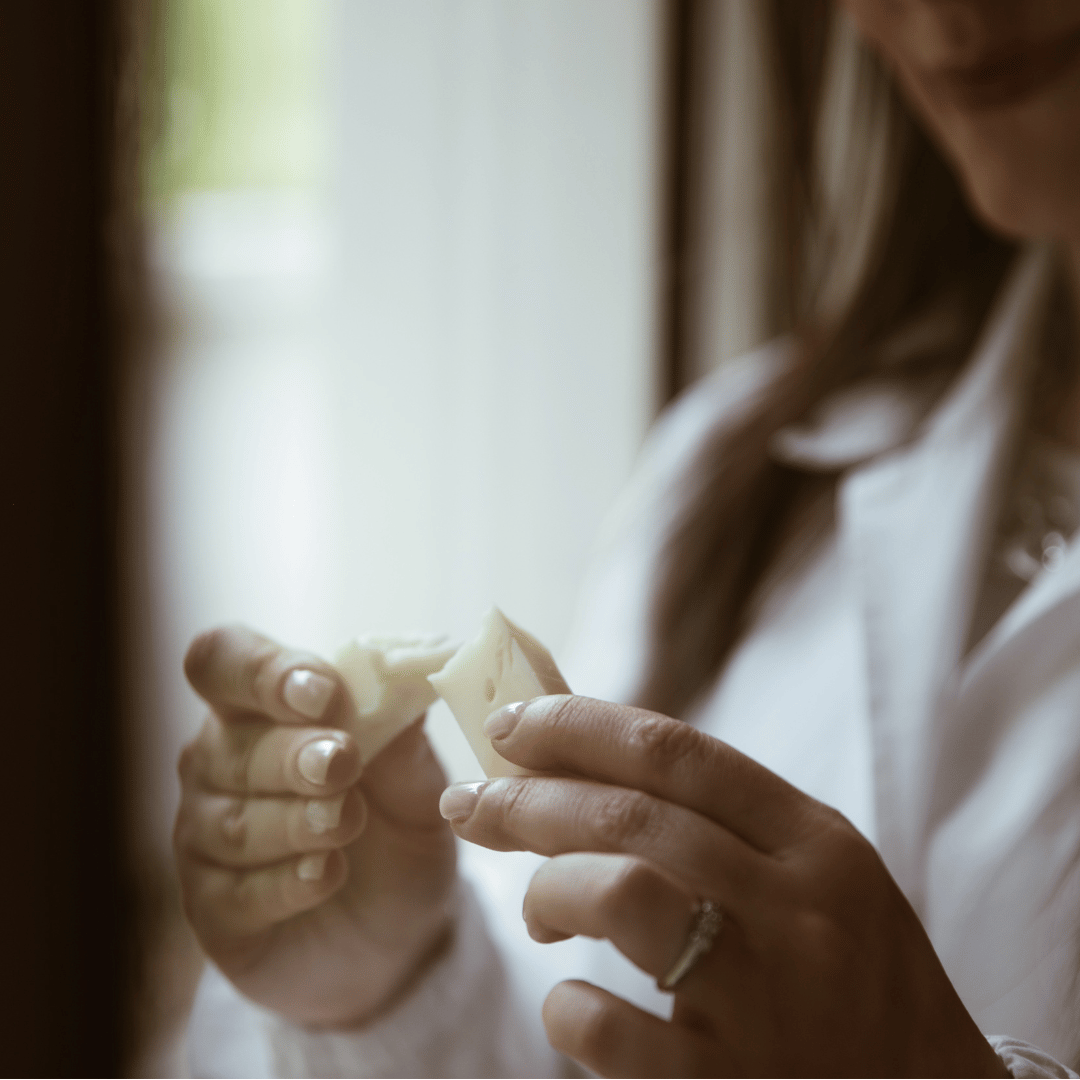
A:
(404, 780)
(554, 816)
(242, 832)
(613, 1038)
(642, 912)
(646, 751)
(239, 903)
(264, 759)
(239, 673)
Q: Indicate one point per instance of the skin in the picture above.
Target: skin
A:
(820, 958)
(820, 961)
(328, 952)
(1016, 148)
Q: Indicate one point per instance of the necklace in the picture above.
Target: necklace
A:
(1044, 511)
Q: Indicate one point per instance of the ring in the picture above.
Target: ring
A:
(708, 919)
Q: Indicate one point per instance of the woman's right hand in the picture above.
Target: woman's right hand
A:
(320, 889)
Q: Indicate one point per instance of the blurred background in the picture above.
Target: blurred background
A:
(331, 317)
(406, 257)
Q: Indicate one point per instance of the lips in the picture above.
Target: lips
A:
(1009, 76)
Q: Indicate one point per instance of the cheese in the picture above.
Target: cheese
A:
(387, 681)
(501, 665)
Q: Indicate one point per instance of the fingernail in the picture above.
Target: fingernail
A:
(311, 867)
(307, 692)
(458, 802)
(501, 722)
(314, 760)
(324, 814)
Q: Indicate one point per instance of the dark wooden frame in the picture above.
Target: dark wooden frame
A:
(66, 904)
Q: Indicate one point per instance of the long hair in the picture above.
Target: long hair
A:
(881, 266)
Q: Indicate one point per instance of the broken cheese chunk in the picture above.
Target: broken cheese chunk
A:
(387, 680)
(501, 665)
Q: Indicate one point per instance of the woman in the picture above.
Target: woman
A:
(847, 557)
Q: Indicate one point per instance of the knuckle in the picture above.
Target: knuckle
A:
(564, 712)
(233, 752)
(202, 651)
(240, 767)
(664, 742)
(233, 826)
(817, 933)
(842, 852)
(631, 890)
(559, 723)
(513, 803)
(812, 926)
(835, 827)
(257, 665)
(196, 757)
(839, 884)
(623, 816)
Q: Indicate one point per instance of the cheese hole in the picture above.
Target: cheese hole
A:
(489, 689)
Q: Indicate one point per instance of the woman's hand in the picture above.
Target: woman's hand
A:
(317, 890)
(820, 968)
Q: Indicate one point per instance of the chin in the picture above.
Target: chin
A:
(1004, 209)
(1019, 166)
(1028, 200)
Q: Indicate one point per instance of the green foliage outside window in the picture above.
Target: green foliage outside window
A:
(241, 96)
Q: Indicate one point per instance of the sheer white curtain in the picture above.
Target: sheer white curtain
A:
(388, 406)
(497, 284)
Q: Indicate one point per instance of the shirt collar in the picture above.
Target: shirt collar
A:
(887, 411)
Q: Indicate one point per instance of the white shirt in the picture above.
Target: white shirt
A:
(852, 685)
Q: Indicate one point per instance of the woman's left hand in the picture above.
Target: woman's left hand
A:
(821, 967)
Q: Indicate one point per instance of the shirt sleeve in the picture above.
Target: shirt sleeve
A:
(462, 1019)
(1024, 1060)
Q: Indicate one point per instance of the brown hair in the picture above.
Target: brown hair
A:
(885, 267)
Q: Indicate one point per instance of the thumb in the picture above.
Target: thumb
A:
(404, 780)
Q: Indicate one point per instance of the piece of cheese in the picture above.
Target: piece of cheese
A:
(387, 680)
(501, 665)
